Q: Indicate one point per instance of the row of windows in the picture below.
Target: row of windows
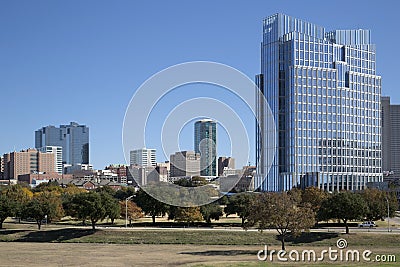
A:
(348, 106)
(360, 53)
(332, 168)
(362, 136)
(333, 152)
(357, 115)
(338, 126)
(355, 91)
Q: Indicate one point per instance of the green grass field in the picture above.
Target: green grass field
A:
(199, 246)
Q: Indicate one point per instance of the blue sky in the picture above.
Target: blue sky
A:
(63, 61)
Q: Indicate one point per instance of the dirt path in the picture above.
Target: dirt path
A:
(74, 254)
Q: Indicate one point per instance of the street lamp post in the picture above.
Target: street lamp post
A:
(126, 210)
(388, 213)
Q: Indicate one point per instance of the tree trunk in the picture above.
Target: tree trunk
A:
(242, 221)
(154, 218)
(1, 224)
(347, 226)
(112, 220)
(283, 242)
(39, 223)
(93, 225)
(130, 222)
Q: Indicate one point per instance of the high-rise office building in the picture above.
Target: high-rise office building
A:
(73, 138)
(57, 152)
(185, 163)
(27, 162)
(324, 94)
(205, 143)
(144, 157)
(390, 139)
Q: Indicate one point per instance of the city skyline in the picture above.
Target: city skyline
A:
(87, 69)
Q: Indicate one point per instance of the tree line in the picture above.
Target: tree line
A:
(50, 202)
(289, 213)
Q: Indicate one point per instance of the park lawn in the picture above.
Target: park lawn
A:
(241, 245)
(196, 236)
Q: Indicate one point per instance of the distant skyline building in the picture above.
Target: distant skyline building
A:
(27, 162)
(225, 162)
(144, 157)
(390, 139)
(185, 163)
(73, 138)
(205, 143)
(57, 151)
(324, 94)
(1, 168)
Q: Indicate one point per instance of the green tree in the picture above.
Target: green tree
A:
(36, 210)
(125, 192)
(193, 182)
(52, 203)
(88, 206)
(150, 205)
(345, 206)
(377, 202)
(44, 205)
(240, 204)
(5, 208)
(51, 186)
(211, 211)
(283, 212)
(314, 196)
(188, 215)
(111, 206)
(106, 189)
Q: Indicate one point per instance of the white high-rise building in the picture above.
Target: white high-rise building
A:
(144, 157)
(57, 151)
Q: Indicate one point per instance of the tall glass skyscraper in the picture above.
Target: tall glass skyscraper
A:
(73, 138)
(324, 94)
(205, 143)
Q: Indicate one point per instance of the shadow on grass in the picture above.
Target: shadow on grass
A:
(310, 237)
(221, 252)
(11, 231)
(55, 235)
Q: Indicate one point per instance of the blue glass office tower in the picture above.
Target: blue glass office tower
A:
(73, 138)
(205, 143)
(324, 94)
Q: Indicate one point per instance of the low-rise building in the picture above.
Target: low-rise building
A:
(49, 176)
(185, 163)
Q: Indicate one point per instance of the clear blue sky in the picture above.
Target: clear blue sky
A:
(63, 61)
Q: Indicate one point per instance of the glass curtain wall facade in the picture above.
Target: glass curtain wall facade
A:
(325, 95)
(73, 138)
(205, 143)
